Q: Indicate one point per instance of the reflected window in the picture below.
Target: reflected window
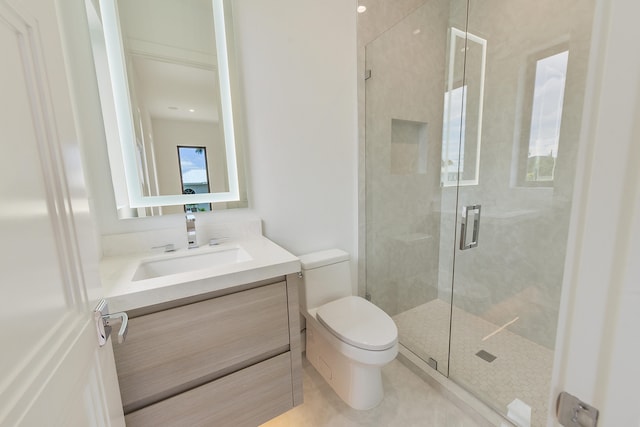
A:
(194, 175)
(453, 135)
(546, 102)
(462, 112)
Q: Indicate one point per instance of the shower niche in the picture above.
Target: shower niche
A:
(408, 147)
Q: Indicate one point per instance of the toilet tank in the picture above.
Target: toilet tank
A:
(326, 277)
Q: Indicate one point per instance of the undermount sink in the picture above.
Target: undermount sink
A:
(152, 268)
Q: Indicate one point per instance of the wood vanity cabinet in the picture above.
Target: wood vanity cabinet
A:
(229, 358)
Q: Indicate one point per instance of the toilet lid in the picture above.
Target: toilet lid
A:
(358, 322)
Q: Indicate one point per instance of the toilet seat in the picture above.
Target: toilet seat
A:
(359, 323)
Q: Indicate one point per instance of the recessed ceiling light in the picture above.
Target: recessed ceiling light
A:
(191, 110)
(361, 9)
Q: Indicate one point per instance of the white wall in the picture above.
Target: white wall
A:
(598, 346)
(179, 26)
(298, 65)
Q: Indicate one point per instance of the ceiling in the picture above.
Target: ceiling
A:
(170, 90)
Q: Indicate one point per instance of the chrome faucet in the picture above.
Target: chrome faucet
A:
(191, 230)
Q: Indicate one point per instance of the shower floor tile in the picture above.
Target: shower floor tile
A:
(521, 368)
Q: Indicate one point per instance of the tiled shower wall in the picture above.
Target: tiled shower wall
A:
(404, 128)
(406, 218)
(517, 270)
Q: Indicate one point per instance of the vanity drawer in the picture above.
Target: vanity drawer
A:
(248, 397)
(171, 351)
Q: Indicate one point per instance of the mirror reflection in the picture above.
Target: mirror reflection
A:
(462, 117)
(169, 78)
(194, 174)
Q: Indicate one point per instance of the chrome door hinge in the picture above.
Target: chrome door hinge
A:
(572, 412)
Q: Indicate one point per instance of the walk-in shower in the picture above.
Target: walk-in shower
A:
(472, 115)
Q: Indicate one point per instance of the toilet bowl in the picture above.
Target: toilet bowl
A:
(348, 339)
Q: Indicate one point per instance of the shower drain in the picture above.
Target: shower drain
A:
(486, 356)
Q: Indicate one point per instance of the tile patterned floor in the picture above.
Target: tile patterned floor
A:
(522, 369)
(409, 401)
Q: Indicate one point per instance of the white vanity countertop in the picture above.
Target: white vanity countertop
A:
(268, 260)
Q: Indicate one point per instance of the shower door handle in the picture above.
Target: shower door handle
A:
(470, 215)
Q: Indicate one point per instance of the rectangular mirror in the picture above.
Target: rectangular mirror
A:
(163, 69)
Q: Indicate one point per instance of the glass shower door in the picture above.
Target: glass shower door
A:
(408, 217)
(522, 97)
(473, 114)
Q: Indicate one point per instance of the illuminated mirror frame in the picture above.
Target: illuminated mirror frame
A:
(124, 114)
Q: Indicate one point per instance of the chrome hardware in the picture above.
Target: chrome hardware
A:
(468, 212)
(572, 412)
(191, 230)
(170, 247)
(218, 241)
(300, 276)
(433, 363)
(104, 321)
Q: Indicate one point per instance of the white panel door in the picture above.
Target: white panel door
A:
(52, 372)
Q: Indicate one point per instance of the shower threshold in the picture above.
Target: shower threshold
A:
(481, 413)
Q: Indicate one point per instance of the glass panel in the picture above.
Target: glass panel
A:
(506, 291)
(408, 216)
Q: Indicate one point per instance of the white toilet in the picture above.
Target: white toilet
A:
(348, 339)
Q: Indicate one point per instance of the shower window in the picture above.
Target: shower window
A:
(547, 77)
